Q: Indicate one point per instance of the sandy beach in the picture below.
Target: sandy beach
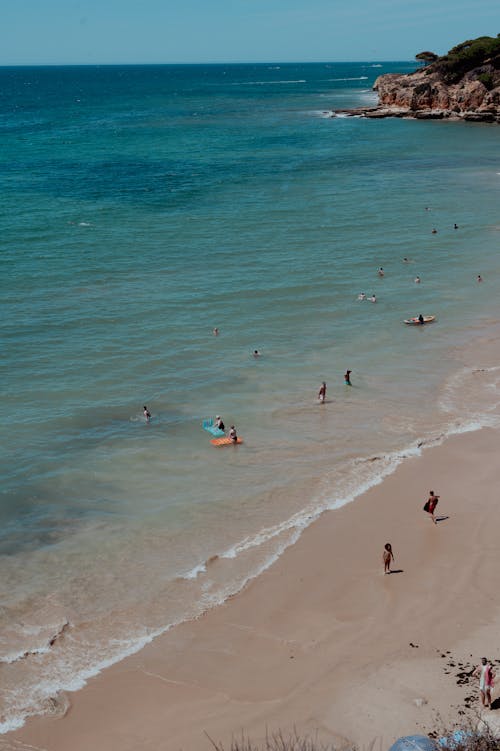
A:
(323, 641)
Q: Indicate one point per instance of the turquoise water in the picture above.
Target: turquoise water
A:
(141, 208)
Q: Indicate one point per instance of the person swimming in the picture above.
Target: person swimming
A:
(372, 299)
(147, 413)
(256, 353)
(381, 272)
(361, 296)
(417, 280)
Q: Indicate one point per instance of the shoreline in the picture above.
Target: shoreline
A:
(258, 660)
(380, 112)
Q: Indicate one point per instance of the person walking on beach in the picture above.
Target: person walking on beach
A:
(147, 413)
(347, 378)
(322, 393)
(431, 504)
(485, 673)
(387, 556)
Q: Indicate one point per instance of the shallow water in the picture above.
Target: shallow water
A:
(142, 206)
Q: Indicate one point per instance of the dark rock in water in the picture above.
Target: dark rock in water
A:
(414, 743)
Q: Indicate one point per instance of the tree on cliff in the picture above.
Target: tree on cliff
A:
(426, 57)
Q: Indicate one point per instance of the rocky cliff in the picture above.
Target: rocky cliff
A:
(465, 84)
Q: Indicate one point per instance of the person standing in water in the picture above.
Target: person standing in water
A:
(387, 557)
(347, 378)
(232, 434)
(147, 414)
(322, 393)
(219, 423)
(431, 504)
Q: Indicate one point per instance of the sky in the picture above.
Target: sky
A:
(46, 32)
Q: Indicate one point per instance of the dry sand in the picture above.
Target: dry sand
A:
(322, 641)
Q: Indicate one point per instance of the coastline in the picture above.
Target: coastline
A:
(321, 641)
(381, 111)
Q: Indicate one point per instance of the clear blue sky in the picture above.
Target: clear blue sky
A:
(169, 31)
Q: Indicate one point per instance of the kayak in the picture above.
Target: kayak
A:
(416, 321)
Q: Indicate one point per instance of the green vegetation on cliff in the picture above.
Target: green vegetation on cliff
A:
(465, 57)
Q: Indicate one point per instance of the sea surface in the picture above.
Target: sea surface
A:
(143, 206)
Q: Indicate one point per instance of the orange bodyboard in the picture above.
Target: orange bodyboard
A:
(224, 441)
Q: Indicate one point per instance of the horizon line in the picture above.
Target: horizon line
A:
(222, 62)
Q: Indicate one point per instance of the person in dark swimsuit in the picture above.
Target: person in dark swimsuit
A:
(387, 557)
(147, 413)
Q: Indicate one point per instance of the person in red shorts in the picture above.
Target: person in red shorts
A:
(431, 504)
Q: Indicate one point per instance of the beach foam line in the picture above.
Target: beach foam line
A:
(383, 466)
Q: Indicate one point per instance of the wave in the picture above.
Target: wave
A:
(267, 83)
(355, 78)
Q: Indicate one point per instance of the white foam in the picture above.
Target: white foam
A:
(356, 78)
(193, 573)
(11, 657)
(267, 83)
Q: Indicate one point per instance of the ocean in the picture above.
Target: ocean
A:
(144, 206)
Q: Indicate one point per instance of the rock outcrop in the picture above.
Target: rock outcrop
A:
(464, 84)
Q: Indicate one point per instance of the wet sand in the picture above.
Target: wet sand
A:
(324, 641)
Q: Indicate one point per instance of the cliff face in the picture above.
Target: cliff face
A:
(426, 94)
